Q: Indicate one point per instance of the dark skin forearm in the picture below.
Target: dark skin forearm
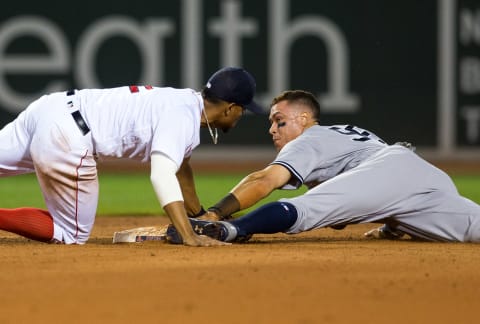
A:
(187, 185)
(176, 213)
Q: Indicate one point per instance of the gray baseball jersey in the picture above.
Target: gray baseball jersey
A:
(354, 177)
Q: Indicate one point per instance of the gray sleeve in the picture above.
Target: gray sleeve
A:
(299, 158)
(323, 152)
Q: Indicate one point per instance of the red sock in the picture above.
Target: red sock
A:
(32, 223)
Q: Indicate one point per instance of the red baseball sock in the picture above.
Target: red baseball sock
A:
(32, 223)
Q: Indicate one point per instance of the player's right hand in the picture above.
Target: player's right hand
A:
(202, 240)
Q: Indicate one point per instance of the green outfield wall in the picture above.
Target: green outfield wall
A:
(406, 70)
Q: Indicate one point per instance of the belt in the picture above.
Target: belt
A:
(77, 117)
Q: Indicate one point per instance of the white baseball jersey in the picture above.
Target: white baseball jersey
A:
(60, 136)
(356, 178)
(133, 123)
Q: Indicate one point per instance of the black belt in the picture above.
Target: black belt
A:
(77, 117)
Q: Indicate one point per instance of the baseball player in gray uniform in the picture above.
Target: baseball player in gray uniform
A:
(353, 177)
(61, 135)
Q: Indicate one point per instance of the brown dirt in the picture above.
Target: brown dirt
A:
(324, 276)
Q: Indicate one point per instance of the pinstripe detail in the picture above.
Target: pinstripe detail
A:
(290, 168)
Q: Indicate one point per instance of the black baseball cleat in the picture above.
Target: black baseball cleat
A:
(222, 231)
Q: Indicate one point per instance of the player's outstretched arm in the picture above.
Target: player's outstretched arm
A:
(260, 184)
(251, 189)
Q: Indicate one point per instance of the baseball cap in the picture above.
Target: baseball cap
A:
(234, 84)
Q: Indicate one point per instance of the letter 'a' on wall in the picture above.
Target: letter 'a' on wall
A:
(55, 58)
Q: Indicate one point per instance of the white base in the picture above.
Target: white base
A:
(141, 234)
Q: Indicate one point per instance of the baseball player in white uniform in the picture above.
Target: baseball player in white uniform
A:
(353, 177)
(61, 135)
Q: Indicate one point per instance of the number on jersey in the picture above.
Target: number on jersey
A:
(357, 134)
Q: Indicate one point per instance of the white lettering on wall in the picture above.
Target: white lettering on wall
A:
(192, 44)
(469, 26)
(470, 75)
(469, 71)
(56, 60)
(147, 37)
(284, 33)
(230, 28)
(471, 114)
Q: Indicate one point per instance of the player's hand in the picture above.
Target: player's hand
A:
(202, 240)
(209, 216)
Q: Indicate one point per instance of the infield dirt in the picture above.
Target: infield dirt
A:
(324, 276)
